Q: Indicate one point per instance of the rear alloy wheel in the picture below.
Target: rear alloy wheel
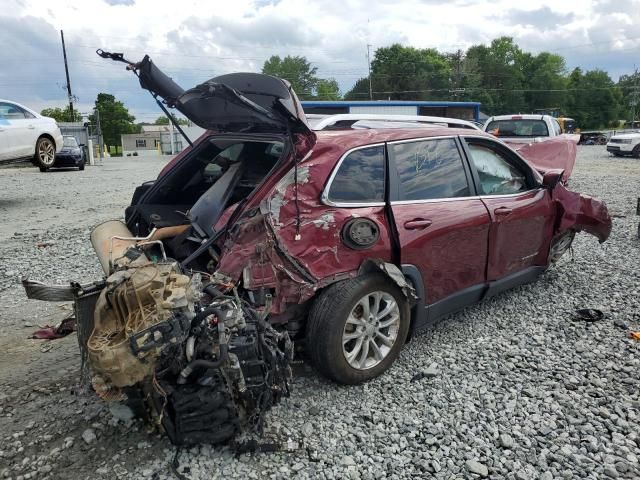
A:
(45, 153)
(357, 328)
(560, 246)
(371, 330)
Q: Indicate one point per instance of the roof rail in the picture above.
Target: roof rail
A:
(346, 120)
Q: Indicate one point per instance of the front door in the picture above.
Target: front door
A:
(521, 210)
(18, 130)
(443, 228)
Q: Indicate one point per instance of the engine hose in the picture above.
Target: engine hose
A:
(212, 291)
(186, 371)
(200, 316)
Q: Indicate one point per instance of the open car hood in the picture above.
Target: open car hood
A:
(557, 152)
(232, 103)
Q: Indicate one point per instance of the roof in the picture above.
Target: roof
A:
(348, 139)
(521, 116)
(154, 128)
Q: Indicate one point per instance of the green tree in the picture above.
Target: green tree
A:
(115, 119)
(593, 99)
(62, 114)
(164, 120)
(501, 75)
(360, 91)
(408, 73)
(327, 89)
(544, 80)
(466, 78)
(630, 88)
(297, 70)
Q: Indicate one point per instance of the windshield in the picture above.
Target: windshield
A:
(518, 128)
(70, 142)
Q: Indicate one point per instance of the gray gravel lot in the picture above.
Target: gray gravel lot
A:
(516, 390)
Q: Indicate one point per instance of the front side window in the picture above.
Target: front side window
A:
(497, 176)
(430, 169)
(518, 127)
(360, 177)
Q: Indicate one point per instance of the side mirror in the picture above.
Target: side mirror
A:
(551, 178)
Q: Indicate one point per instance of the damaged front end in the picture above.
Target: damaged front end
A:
(202, 364)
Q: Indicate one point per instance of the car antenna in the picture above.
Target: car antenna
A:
(133, 66)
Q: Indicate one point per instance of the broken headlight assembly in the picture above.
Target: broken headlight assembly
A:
(202, 364)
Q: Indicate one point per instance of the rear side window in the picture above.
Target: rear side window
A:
(518, 127)
(430, 169)
(12, 112)
(360, 177)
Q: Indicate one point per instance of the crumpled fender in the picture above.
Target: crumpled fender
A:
(581, 213)
(557, 152)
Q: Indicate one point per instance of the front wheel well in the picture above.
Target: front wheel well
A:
(44, 135)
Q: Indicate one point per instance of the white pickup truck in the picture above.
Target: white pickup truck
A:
(525, 128)
(627, 143)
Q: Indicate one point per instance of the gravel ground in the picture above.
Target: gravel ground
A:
(512, 388)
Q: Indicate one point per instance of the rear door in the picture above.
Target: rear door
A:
(4, 136)
(521, 209)
(443, 227)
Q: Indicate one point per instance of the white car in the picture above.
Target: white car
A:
(27, 134)
(625, 144)
(525, 128)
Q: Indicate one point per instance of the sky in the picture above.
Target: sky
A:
(194, 40)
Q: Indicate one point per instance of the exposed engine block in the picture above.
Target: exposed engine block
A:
(203, 364)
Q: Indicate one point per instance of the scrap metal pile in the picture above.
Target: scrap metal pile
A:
(202, 364)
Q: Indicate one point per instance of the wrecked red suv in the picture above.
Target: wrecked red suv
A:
(345, 241)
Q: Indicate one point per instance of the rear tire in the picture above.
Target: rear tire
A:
(636, 152)
(356, 328)
(45, 154)
(81, 166)
(43, 169)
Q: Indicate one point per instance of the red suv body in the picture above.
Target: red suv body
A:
(352, 239)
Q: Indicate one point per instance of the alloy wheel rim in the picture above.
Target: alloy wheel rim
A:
(371, 330)
(560, 247)
(46, 152)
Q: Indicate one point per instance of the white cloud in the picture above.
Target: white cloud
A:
(196, 39)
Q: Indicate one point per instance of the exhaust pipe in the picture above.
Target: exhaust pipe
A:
(110, 240)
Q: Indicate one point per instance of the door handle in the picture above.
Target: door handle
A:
(31, 127)
(502, 211)
(417, 224)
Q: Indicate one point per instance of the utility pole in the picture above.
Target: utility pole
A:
(66, 70)
(100, 140)
(634, 97)
(369, 63)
